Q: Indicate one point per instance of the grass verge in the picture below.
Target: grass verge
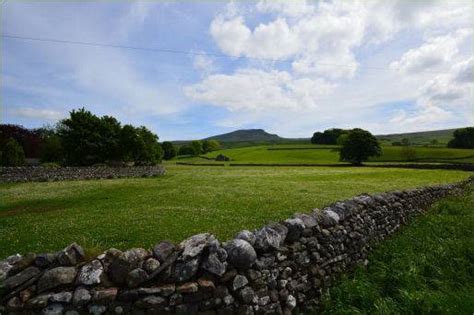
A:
(428, 268)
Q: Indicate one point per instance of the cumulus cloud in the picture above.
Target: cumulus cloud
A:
(435, 52)
(322, 44)
(258, 90)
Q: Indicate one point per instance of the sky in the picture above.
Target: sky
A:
(291, 68)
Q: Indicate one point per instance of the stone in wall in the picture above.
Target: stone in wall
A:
(281, 268)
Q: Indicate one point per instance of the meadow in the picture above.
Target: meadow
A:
(324, 154)
(426, 268)
(130, 212)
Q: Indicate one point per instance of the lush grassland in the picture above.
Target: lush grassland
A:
(308, 153)
(426, 269)
(188, 200)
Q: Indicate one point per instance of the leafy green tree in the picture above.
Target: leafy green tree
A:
(405, 141)
(197, 147)
(139, 145)
(210, 145)
(81, 137)
(169, 151)
(329, 136)
(463, 138)
(186, 150)
(109, 129)
(359, 146)
(51, 149)
(12, 153)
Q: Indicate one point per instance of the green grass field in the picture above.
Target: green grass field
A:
(309, 153)
(426, 268)
(139, 212)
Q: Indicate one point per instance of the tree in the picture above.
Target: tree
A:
(329, 136)
(28, 139)
(359, 146)
(186, 150)
(210, 145)
(51, 149)
(169, 151)
(463, 138)
(405, 141)
(12, 153)
(197, 147)
(88, 139)
(139, 145)
(434, 142)
(81, 138)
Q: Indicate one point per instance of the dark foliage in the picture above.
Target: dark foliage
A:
(12, 153)
(210, 145)
(186, 150)
(358, 146)
(329, 136)
(463, 138)
(51, 149)
(88, 139)
(169, 151)
(28, 139)
(197, 147)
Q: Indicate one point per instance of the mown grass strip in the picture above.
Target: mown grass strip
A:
(426, 269)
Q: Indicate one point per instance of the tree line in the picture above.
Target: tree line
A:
(84, 138)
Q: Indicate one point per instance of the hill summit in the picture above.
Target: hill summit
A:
(250, 135)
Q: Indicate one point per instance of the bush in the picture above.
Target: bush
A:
(329, 136)
(463, 138)
(359, 146)
(210, 145)
(197, 147)
(139, 145)
(87, 139)
(51, 149)
(28, 139)
(169, 151)
(12, 154)
(186, 150)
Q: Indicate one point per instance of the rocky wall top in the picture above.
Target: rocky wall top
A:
(39, 173)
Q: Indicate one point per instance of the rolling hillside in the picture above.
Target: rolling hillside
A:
(423, 137)
(246, 135)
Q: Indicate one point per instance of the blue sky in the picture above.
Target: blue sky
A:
(289, 67)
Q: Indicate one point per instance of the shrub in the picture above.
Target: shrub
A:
(197, 147)
(359, 146)
(139, 145)
(329, 136)
(28, 139)
(186, 150)
(12, 154)
(463, 138)
(210, 145)
(169, 151)
(51, 149)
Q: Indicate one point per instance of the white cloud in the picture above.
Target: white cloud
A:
(435, 52)
(295, 8)
(204, 64)
(36, 113)
(258, 90)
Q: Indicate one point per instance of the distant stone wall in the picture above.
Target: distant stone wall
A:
(281, 268)
(39, 173)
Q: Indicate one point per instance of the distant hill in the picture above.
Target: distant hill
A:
(422, 137)
(247, 135)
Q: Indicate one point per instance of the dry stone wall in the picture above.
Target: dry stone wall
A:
(281, 268)
(39, 173)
